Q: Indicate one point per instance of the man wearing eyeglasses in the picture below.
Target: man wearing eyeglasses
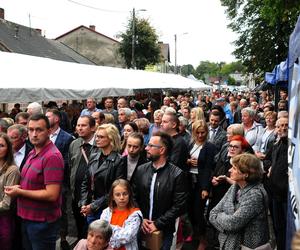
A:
(160, 189)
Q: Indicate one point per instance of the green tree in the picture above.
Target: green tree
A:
(206, 67)
(187, 70)
(231, 81)
(233, 67)
(264, 27)
(146, 48)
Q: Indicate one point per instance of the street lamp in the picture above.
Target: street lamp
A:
(175, 36)
(133, 63)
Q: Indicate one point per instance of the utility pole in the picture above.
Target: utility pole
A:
(133, 41)
(175, 69)
(175, 36)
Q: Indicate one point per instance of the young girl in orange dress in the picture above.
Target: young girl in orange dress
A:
(123, 216)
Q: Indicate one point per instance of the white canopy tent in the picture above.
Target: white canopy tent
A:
(27, 78)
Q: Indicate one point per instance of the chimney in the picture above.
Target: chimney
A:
(93, 27)
(39, 31)
(1, 13)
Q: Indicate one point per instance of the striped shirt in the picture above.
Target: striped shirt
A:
(44, 168)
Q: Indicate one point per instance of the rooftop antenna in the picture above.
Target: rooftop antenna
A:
(17, 31)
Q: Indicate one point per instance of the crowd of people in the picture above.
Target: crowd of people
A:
(208, 168)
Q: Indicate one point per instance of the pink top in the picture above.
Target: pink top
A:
(44, 168)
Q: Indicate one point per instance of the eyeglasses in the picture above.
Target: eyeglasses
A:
(233, 146)
(150, 145)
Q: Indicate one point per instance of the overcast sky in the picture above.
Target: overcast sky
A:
(204, 21)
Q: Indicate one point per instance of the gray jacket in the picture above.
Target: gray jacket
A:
(74, 158)
(220, 138)
(243, 221)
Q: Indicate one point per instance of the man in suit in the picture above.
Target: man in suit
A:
(62, 141)
(21, 146)
(217, 135)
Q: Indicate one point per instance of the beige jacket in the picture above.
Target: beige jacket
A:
(9, 178)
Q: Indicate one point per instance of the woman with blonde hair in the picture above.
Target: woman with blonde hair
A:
(104, 167)
(109, 118)
(202, 153)
(196, 114)
(143, 125)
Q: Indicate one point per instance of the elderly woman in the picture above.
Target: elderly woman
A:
(143, 125)
(252, 129)
(158, 114)
(233, 129)
(186, 135)
(202, 154)
(267, 138)
(104, 167)
(241, 216)
(99, 233)
(9, 175)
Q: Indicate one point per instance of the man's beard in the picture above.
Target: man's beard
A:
(153, 158)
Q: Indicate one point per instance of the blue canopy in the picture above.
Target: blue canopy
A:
(279, 74)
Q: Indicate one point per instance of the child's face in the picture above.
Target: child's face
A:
(121, 197)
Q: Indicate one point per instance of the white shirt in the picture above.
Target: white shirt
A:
(19, 156)
(152, 195)
(194, 153)
(54, 135)
(213, 132)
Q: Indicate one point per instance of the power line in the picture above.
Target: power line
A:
(95, 8)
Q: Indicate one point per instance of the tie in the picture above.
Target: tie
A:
(87, 149)
(213, 134)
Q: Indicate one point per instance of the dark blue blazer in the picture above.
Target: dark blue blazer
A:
(63, 142)
(28, 148)
(206, 164)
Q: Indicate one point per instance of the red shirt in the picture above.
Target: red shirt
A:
(44, 168)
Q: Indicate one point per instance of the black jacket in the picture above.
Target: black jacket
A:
(219, 139)
(279, 170)
(170, 194)
(103, 175)
(206, 165)
(28, 148)
(179, 154)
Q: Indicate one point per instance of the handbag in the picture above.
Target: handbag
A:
(266, 246)
(152, 241)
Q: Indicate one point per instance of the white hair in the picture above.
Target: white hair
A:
(35, 108)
